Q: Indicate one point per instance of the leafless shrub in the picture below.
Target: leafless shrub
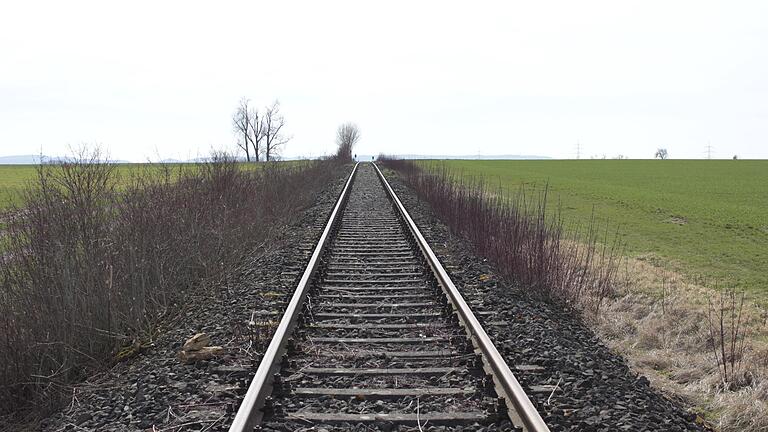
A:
(726, 335)
(515, 233)
(94, 261)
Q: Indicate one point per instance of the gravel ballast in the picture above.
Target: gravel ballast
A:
(346, 368)
(583, 386)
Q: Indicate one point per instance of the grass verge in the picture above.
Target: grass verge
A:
(668, 328)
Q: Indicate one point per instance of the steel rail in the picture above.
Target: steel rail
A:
(521, 410)
(250, 412)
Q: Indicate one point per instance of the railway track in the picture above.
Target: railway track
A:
(377, 337)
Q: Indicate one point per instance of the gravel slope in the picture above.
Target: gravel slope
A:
(590, 388)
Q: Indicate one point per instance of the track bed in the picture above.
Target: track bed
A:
(379, 347)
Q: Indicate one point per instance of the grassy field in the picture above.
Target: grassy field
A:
(13, 178)
(702, 218)
(12, 181)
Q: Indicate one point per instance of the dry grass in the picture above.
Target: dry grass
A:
(658, 319)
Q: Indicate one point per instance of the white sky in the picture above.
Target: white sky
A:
(161, 79)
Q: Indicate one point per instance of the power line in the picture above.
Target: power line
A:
(578, 150)
(709, 151)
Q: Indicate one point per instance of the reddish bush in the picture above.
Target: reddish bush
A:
(92, 261)
(516, 234)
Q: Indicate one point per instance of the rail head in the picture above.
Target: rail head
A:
(250, 413)
(519, 405)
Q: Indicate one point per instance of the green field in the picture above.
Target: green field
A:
(701, 217)
(12, 181)
(13, 178)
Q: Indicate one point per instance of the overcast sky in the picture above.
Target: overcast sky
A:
(161, 79)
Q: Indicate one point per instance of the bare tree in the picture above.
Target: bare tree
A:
(661, 154)
(241, 123)
(257, 133)
(249, 127)
(347, 135)
(272, 124)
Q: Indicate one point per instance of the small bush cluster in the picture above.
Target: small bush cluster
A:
(92, 261)
(516, 234)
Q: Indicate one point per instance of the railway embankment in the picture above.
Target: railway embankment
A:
(579, 384)
(148, 384)
(591, 387)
